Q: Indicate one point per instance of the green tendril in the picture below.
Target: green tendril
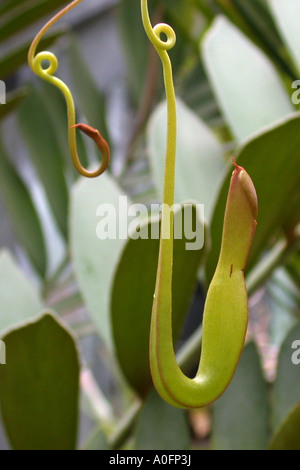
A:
(36, 62)
(226, 307)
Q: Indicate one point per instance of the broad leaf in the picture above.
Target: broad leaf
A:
(40, 386)
(24, 15)
(287, 384)
(46, 154)
(161, 426)
(246, 83)
(241, 414)
(287, 436)
(13, 99)
(95, 259)
(135, 45)
(286, 14)
(10, 62)
(22, 212)
(97, 441)
(15, 308)
(11, 4)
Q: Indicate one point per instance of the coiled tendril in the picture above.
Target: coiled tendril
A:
(36, 62)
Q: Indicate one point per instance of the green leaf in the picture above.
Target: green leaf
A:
(245, 82)
(286, 14)
(241, 414)
(132, 298)
(10, 62)
(97, 441)
(255, 20)
(293, 267)
(287, 384)
(135, 44)
(272, 160)
(24, 15)
(40, 386)
(22, 213)
(15, 308)
(200, 163)
(91, 100)
(287, 436)
(283, 317)
(94, 259)
(161, 426)
(10, 4)
(13, 99)
(46, 154)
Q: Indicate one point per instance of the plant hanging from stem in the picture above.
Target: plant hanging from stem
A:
(226, 307)
(36, 63)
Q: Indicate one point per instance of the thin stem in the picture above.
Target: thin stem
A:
(149, 92)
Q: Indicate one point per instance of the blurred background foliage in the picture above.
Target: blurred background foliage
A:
(235, 62)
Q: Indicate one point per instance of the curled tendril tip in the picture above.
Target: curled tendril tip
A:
(36, 61)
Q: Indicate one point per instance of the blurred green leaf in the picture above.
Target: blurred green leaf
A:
(11, 4)
(135, 44)
(286, 14)
(97, 441)
(287, 436)
(196, 92)
(10, 62)
(15, 308)
(161, 426)
(200, 162)
(40, 386)
(283, 317)
(272, 160)
(206, 9)
(46, 154)
(253, 18)
(91, 100)
(241, 414)
(132, 298)
(13, 99)
(293, 268)
(22, 213)
(246, 83)
(286, 393)
(94, 259)
(24, 15)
